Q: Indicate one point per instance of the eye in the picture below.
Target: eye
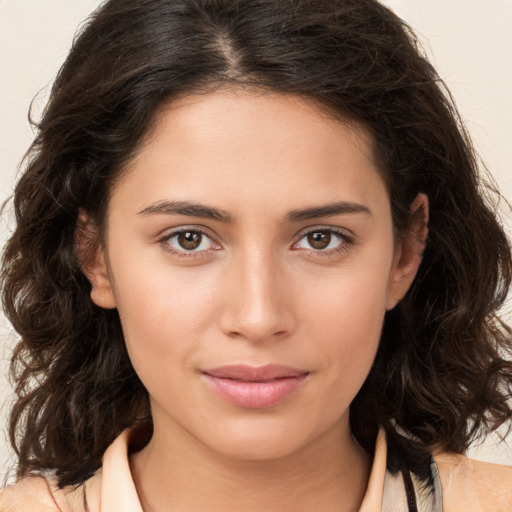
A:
(189, 241)
(323, 240)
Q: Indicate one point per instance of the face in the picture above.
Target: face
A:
(249, 251)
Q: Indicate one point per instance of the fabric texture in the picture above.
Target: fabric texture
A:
(460, 485)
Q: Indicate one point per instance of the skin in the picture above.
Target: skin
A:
(254, 292)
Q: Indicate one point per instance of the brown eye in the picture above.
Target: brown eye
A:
(324, 241)
(189, 240)
(319, 239)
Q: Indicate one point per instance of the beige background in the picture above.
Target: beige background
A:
(469, 41)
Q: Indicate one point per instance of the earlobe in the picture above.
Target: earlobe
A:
(101, 287)
(409, 252)
(92, 260)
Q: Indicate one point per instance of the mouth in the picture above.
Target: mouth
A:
(255, 387)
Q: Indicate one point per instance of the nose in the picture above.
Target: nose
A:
(256, 306)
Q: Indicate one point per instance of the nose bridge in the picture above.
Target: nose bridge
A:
(255, 308)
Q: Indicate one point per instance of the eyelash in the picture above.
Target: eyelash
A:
(166, 240)
(345, 242)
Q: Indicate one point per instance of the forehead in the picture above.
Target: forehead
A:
(222, 112)
(255, 145)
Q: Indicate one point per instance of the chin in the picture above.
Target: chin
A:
(259, 450)
(259, 441)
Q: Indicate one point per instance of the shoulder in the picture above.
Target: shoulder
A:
(109, 487)
(38, 493)
(30, 493)
(469, 484)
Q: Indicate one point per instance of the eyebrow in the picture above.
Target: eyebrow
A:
(328, 210)
(207, 212)
(187, 209)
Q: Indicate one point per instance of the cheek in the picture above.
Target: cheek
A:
(346, 314)
(350, 302)
(163, 313)
(349, 328)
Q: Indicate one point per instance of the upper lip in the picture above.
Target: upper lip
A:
(250, 373)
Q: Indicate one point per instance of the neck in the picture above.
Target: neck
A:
(180, 473)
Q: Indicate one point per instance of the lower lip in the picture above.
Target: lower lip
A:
(258, 394)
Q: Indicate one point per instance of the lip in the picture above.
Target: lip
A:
(255, 387)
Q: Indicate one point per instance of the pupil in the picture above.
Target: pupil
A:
(189, 240)
(319, 239)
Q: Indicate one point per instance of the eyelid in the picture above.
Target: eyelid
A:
(167, 235)
(344, 234)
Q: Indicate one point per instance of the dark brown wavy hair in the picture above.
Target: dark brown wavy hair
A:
(442, 372)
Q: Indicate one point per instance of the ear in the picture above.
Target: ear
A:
(409, 252)
(92, 260)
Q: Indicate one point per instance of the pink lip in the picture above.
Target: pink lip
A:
(255, 387)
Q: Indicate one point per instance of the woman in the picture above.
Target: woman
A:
(253, 270)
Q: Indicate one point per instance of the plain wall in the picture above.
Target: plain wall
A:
(469, 42)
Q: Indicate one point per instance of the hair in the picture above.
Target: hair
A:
(442, 372)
